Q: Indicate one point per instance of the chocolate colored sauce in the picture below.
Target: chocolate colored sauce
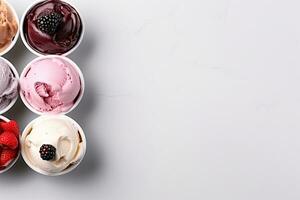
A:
(67, 34)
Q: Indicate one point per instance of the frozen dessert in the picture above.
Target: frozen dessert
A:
(8, 26)
(51, 84)
(9, 143)
(52, 27)
(53, 145)
(8, 85)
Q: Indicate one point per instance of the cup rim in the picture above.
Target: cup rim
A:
(67, 170)
(37, 53)
(8, 167)
(14, 41)
(16, 74)
(82, 81)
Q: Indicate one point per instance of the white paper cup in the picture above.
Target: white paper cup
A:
(12, 163)
(34, 51)
(30, 107)
(15, 39)
(16, 74)
(27, 131)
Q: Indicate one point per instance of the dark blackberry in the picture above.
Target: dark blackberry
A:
(47, 152)
(49, 22)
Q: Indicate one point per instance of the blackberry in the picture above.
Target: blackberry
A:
(47, 152)
(49, 22)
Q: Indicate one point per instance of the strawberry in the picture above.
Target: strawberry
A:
(8, 139)
(6, 156)
(10, 126)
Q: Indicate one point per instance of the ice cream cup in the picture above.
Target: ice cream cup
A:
(15, 39)
(31, 49)
(28, 129)
(81, 79)
(2, 118)
(16, 74)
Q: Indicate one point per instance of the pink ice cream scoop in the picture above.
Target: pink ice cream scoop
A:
(51, 84)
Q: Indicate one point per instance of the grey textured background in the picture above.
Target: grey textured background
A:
(185, 99)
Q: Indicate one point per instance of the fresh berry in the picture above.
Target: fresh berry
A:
(47, 152)
(49, 22)
(8, 139)
(6, 156)
(10, 126)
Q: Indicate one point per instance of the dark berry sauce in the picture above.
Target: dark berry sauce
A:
(67, 34)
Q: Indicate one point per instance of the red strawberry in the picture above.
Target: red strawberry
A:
(9, 140)
(10, 126)
(6, 156)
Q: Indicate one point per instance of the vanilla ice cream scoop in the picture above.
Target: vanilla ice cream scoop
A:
(53, 145)
(8, 25)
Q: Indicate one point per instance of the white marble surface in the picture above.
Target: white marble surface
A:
(194, 99)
